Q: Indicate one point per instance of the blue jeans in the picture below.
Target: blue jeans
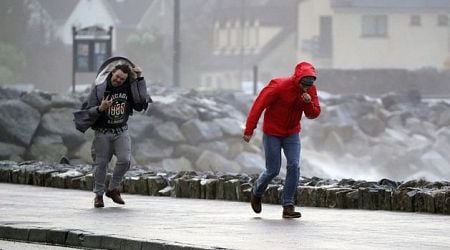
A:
(272, 148)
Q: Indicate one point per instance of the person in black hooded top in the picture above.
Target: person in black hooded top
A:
(111, 131)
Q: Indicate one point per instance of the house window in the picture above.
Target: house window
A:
(415, 20)
(442, 20)
(374, 26)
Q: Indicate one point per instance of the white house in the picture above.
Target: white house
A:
(362, 34)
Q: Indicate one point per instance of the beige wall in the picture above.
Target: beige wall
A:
(405, 46)
(308, 24)
(280, 62)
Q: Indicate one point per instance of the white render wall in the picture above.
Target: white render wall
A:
(405, 46)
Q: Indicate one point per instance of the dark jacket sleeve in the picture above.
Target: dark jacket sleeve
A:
(93, 101)
(88, 114)
(141, 97)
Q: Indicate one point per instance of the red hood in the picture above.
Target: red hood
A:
(303, 69)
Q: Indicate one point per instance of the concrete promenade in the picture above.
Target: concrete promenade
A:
(67, 217)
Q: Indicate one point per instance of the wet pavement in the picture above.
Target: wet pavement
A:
(176, 223)
(13, 245)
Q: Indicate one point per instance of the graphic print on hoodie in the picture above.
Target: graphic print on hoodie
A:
(117, 115)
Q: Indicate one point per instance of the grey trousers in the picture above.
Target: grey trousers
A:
(104, 146)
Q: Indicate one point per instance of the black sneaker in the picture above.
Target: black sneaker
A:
(289, 212)
(256, 202)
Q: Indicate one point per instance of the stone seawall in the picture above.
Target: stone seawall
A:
(411, 196)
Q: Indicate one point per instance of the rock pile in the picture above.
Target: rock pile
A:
(399, 136)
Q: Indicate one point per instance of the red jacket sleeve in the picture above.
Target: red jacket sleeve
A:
(312, 109)
(265, 98)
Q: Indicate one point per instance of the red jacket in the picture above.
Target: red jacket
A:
(283, 104)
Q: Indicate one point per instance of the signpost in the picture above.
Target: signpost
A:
(91, 47)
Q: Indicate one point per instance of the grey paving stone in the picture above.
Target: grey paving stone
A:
(176, 223)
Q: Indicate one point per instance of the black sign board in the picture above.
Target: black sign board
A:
(91, 47)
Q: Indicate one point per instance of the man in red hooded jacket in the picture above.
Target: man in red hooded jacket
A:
(284, 101)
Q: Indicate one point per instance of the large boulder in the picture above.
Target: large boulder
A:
(60, 122)
(18, 122)
(435, 163)
(38, 100)
(210, 161)
(251, 163)
(197, 131)
(371, 125)
(10, 151)
(10, 93)
(173, 110)
(444, 119)
(141, 126)
(229, 126)
(178, 164)
(47, 148)
(169, 131)
(151, 150)
(442, 143)
(189, 151)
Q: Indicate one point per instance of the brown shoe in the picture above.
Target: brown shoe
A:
(114, 194)
(289, 212)
(255, 201)
(98, 201)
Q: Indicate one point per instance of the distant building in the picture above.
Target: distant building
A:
(245, 34)
(122, 15)
(221, 41)
(362, 34)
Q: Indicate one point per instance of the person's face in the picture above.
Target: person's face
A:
(118, 78)
(306, 82)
